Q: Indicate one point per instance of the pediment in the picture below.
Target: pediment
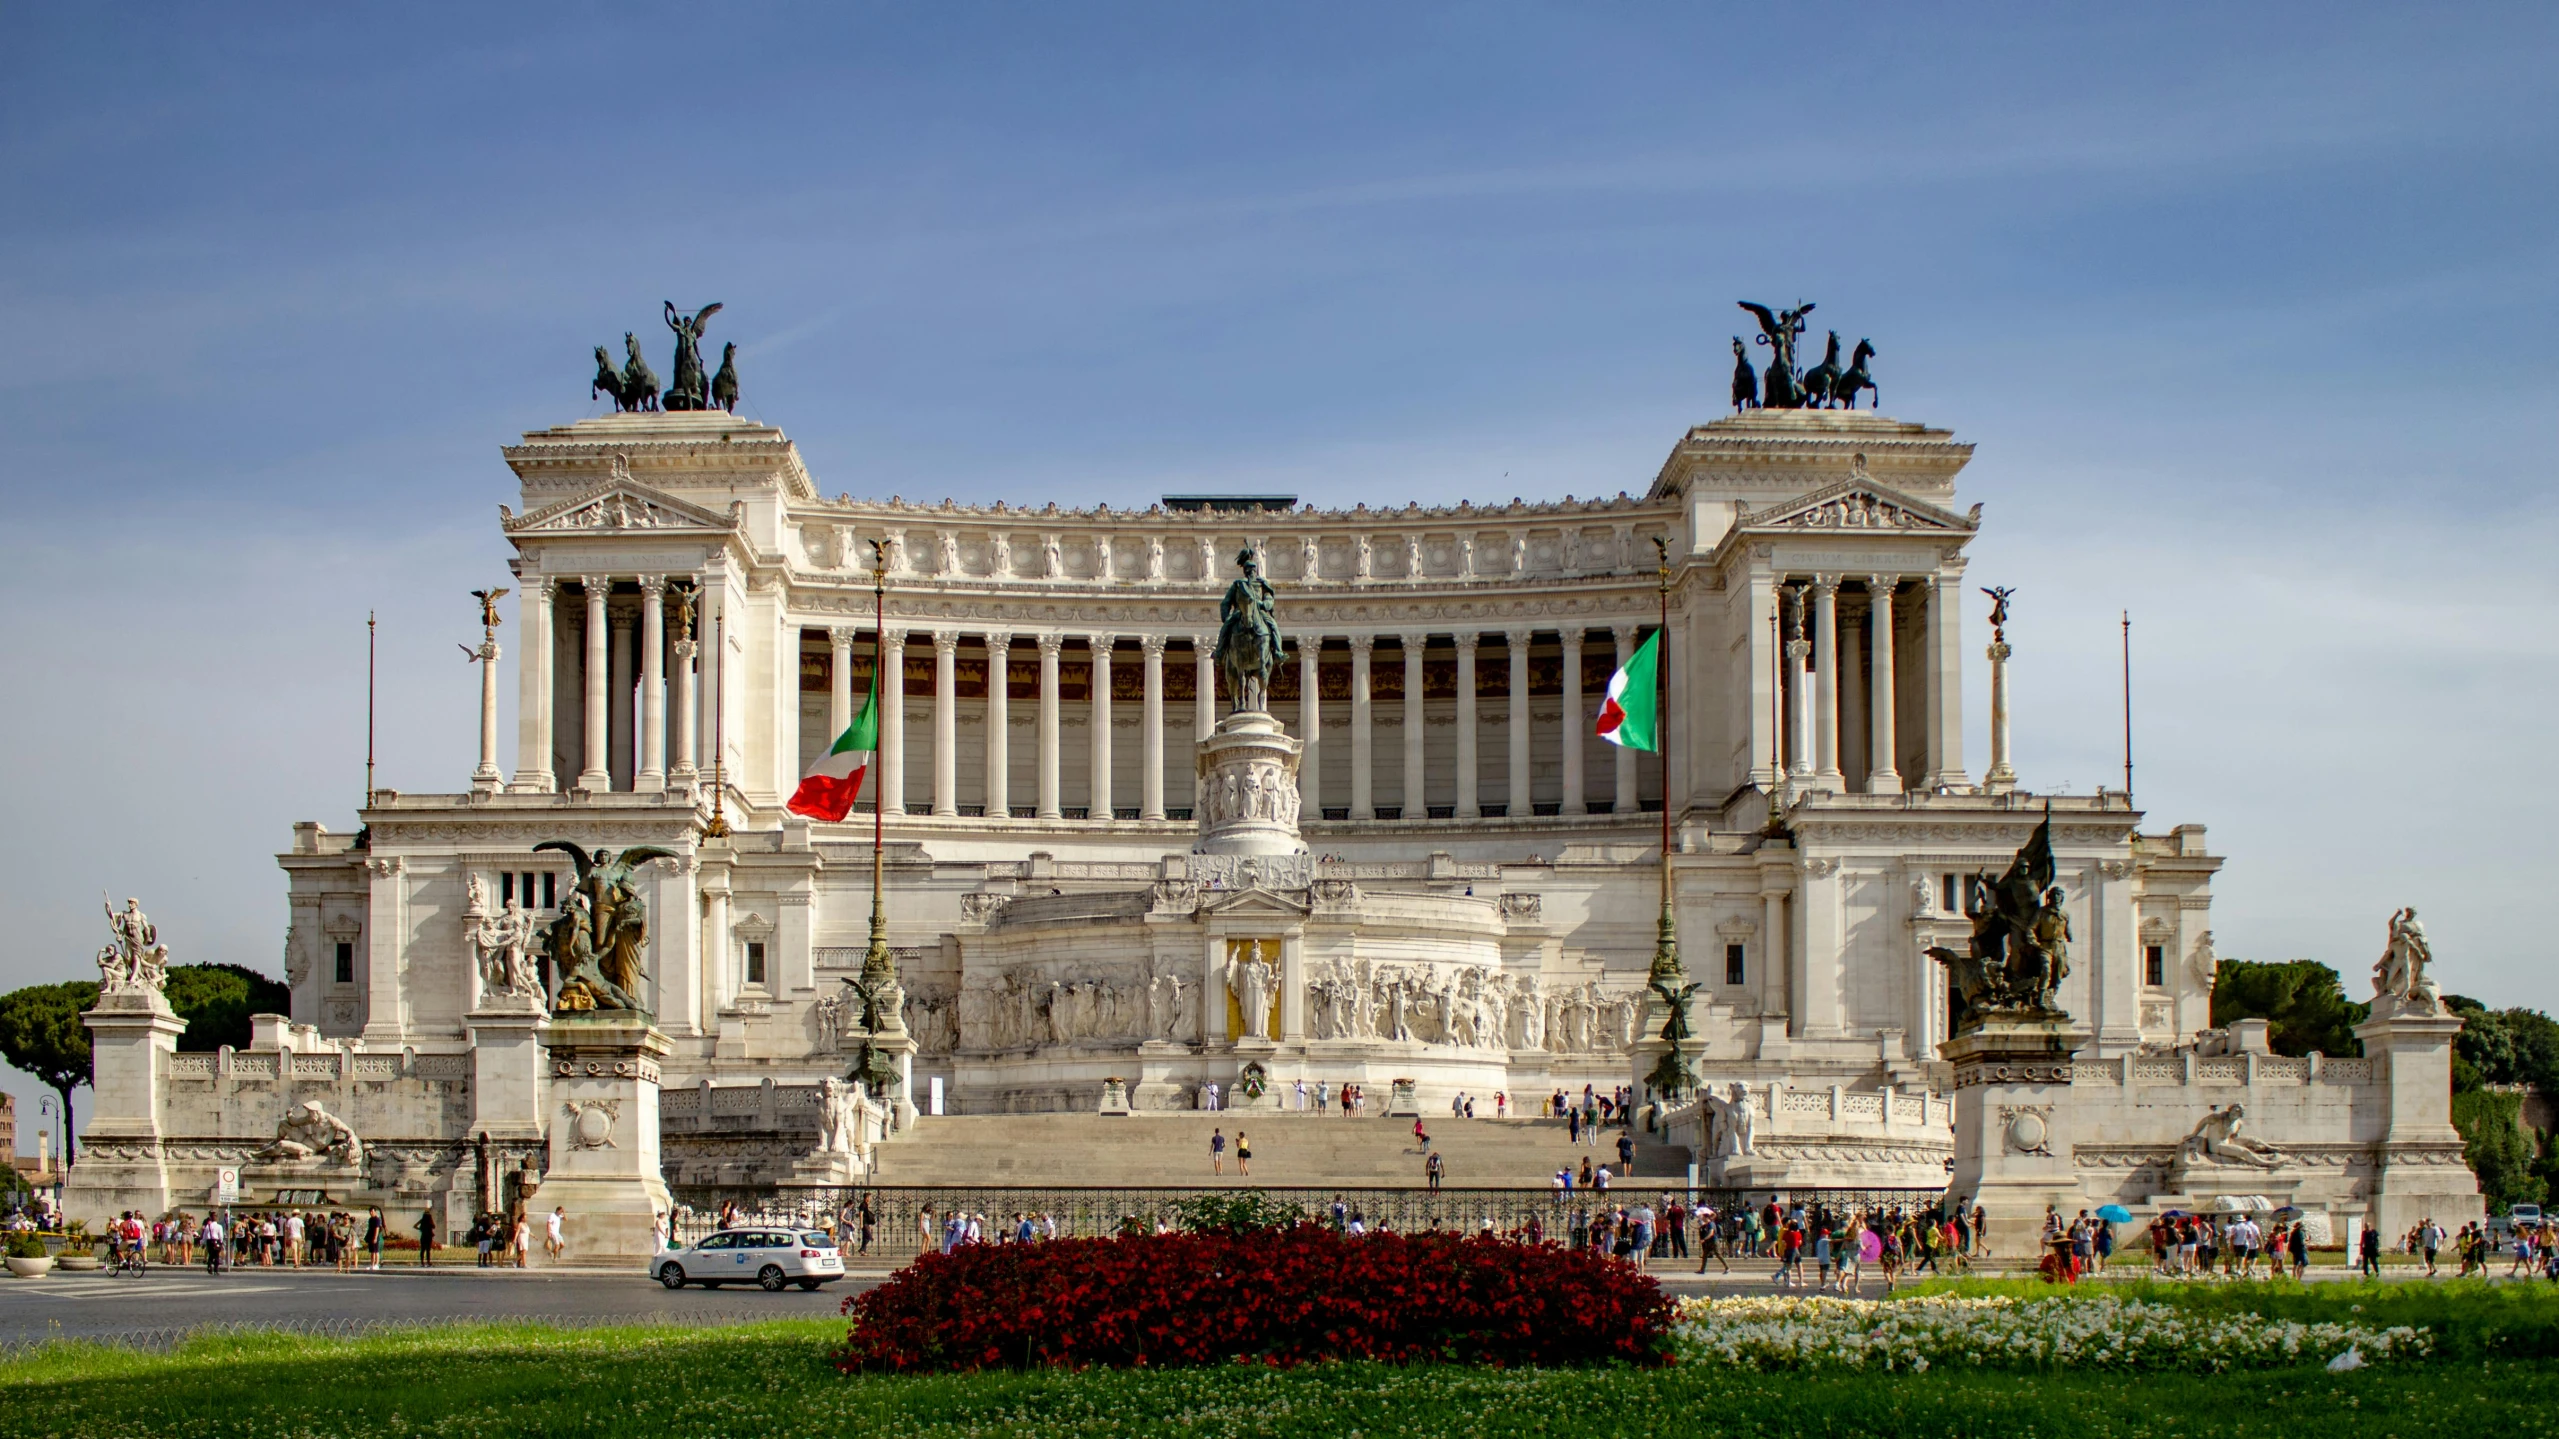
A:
(622, 504)
(1256, 900)
(1859, 504)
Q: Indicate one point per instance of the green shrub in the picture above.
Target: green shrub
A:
(26, 1244)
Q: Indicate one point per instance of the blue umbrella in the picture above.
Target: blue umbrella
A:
(2115, 1214)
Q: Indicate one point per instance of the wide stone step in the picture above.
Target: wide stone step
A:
(1088, 1150)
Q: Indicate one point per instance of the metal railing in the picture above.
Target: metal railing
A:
(901, 1228)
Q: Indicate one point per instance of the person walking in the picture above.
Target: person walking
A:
(522, 1232)
(1421, 1136)
(1434, 1169)
(2430, 1237)
(1217, 1152)
(426, 1238)
(870, 1220)
(373, 1228)
(2369, 1249)
(1243, 1153)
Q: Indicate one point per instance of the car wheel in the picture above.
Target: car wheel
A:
(811, 1284)
(671, 1275)
(771, 1278)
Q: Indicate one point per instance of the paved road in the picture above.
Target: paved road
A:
(166, 1302)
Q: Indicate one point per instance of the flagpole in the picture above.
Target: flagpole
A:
(2128, 707)
(369, 646)
(1666, 965)
(875, 960)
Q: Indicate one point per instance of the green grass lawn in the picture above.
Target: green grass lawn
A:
(773, 1378)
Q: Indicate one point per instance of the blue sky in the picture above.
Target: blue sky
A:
(2245, 307)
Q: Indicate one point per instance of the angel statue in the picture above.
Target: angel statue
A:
(691, 388)
(595, 943)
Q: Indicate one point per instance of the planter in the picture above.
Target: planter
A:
(78, 1262)
(30, 1268)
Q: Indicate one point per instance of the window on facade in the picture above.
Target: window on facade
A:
(506, 888)
(550, 889)
(2154, 964)
(1954, 902)
(1736, 964)
(346, 961)
(755, 961)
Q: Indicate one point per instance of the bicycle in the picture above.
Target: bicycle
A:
(131, 1260)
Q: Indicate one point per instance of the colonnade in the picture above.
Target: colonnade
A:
(1872, 682)
(632, 734)
(1106, 792)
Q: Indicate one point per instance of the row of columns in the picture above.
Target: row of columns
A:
(1102, 800)
(1840, 691)
(619, 710)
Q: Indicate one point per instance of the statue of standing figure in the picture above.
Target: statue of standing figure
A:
(1252, 982)
(838, 1131)
(1248, 637)
(691, 388)
(1783, 388)
(137, 962)
(2401, 973)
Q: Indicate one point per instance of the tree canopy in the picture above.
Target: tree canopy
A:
(2302, 1000)
(216, 1001)
(41, 1033)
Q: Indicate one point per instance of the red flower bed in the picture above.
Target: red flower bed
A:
(1292, 1296)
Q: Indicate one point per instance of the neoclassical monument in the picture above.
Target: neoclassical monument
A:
(1442, 877)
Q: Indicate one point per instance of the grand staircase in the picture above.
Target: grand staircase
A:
(1289, 1150)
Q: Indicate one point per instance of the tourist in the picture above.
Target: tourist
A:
(1600, 1180)
(1572, 1126)
(2298, 1245)
(212, 1236)
(1323, 1096)
(1501, 1104)
(1563, 1184)
(1340, 1215)
(1217, 1152)
(1710, 1241)
(2430, 1237)
(1888, 1255)
(373, 1235)
(870, 1220)
(2369, 1253)
(482, 1233)
(1208, 1096)
(523, 1234)
(1586, 1173)
(1433, 1169)
(426, 1237)
(1358, 1224)
(926, 1231)
(1243, 1153)
(1301, 1096)
(1641, 1248)
(555, 1242)
(1421, 1136)
(1675, 1219)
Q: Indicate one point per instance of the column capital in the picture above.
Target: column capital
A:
(843, 636)
(1363, 644)
(1826, 585)
(893, 637)
(1882, 585)
(1625, 633)
(1100, 644)
(686, 649)
(1415, 642)
(1050, 644)
(1467, 640)
(541, 587)
(999, 640)
(653, 586)
(596, 585)
(1519, 638)
(1204, 646)
(946, 642)
(1153, 645)
(1571, 637)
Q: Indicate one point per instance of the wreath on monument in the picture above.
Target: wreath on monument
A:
(1254, 1080)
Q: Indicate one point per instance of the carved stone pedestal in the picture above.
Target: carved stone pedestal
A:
(1161, 1069)
(604, 1137)
(2012, 1126)
(2422, 1172)
(1248, 787)
(132, 1033)
(1114, 1097)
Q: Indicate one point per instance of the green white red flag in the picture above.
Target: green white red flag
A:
(832, 784)
(1631, 716)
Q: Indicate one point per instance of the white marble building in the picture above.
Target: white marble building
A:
(1477, 859)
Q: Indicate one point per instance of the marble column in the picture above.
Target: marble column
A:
(687, 745)
(1945, 737)
(892, 792)
(1855, 759)
(999, 726)
(1310, 726)
(1100, 804)
(651, 777)
(1882, 777)
(617, 712)
(1799, 707)
(946, 722)
(1826, 772)
(1468, 806)
(1204, 707)
(536, 685)
(1049, 644)
(1521, 803)
(839, 701)
(1576, 725)
(2000, 777)
(486, 779)
(595, 775)
(1627, 800)
(1150, 783)
(1416, 797)
(1363, 727)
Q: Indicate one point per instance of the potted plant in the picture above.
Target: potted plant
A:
(79, 1251)
(26, 1256)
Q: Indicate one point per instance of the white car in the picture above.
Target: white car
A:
(769, 1257)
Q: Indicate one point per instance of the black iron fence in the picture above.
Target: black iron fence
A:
(908, 1219)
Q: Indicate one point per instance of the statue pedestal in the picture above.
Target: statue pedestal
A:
(603, 1123)
(1248, 788)
(2012, 1126)
(132, 1033)
(2422, 1172)
(1161, 1069)
(508, 1088)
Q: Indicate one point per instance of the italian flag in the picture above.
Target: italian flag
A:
(1631, 714)
(832, 784)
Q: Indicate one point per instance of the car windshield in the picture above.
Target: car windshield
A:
(818, 1240)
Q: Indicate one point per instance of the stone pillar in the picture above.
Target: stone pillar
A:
(1204, 708)
(535, 688)
(508, 1085)
(618, 717)
(1100, 807)
(1883, 774)
(2013, 1134)
(1416, 775)
(946, 722)
(1292, 996)
(652, 771)
(1310, 725)
(1946, 680)
(1826, 684)
(1999, 778)
(718, 984)
(687, 717)
(1049, 645)
(892, 788)
(132, 1034)
(1778, 979)
(1467, 806)
(1799, 708)
(595, 774)
(2421, 1172)
(999, 725)
(1150, 784)
(604, 1137)
(2113, 957)
(1521, 803)
(1363, 728)
(486, 779)
(386, 926)
(839, 700)
(1628, 800)
(1576, 738)
(1856, 756)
